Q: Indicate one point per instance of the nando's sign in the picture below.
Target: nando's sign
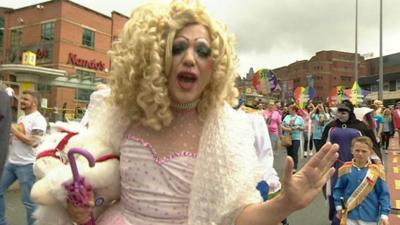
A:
(90, 64)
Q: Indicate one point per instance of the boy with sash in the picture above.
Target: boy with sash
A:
(361, 194)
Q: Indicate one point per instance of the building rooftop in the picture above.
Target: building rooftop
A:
(8, 10)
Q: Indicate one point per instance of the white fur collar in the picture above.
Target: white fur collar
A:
(226, 170)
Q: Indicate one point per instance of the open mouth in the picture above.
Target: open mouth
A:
(186, 80)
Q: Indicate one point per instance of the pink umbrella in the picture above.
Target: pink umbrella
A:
(78, 189)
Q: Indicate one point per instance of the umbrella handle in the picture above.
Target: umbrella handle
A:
(72, 161)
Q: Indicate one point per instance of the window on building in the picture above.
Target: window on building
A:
(374, 87)
(43, 88)
(88, 38)
(397, 85)
(115, 38)
(86, 76)
(48, 31)
(83, 94)
(13, 78)
(386, 86)
(392, 85)
(366, 87)
(16, 38)
(98, 80)
(345, 79)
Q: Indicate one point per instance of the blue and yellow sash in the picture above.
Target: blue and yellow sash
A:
(366, 186)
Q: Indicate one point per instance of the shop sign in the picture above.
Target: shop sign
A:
(90, 64)
(29, 58)
(43, 103)
(43, 53)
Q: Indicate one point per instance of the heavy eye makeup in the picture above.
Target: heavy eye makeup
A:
(179, 47)
(201, 49)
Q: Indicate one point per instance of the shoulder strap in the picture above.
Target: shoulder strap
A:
(345, 169)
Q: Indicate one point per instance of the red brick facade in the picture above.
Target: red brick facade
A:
(66, 51)
(329, 69)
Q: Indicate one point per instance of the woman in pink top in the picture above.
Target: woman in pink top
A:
(186, 156)
(274, 120)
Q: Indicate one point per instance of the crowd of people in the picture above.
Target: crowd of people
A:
(316, 125)
(383, 121)
(188, 157)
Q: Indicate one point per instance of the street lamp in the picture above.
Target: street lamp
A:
(356, 50)
(380, 92)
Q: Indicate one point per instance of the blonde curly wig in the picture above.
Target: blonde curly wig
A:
(142, 60)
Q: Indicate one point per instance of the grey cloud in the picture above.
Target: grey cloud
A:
(310, 25)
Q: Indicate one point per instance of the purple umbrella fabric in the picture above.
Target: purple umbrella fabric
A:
(79, 191)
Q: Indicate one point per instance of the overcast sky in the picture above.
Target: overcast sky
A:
(275, 33)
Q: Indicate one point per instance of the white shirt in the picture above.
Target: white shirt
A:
(10, 91)
(21, 153)
(264, 151)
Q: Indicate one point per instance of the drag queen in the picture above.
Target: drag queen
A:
(187, 157)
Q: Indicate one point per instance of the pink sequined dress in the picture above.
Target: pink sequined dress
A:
(155, 187)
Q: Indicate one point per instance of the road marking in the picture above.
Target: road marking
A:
(395, 169)
(397, 203)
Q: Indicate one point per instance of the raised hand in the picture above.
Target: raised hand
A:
(302, 187)
(299, 189)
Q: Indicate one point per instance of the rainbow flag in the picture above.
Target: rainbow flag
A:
(337, 95)
(303, 95)
(357, 94)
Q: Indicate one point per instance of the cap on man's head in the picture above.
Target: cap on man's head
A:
(343, 107)
(346, 106)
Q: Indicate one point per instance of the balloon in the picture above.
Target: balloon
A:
(261, 83)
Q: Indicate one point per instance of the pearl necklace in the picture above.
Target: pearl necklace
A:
(184, 106)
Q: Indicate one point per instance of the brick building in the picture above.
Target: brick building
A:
(325, 70)
(328, 69)
(70, 42)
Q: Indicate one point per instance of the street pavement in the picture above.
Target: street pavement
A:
(314, 214)
(393, 178)
(15, 210)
